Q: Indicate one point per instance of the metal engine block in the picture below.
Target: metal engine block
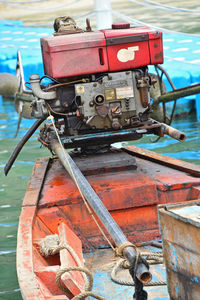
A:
(112, 102)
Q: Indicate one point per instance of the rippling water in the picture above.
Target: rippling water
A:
(12, 187)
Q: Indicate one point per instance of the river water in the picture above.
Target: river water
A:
(12, 187)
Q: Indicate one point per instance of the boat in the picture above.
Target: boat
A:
(100, 216)
(131, 192)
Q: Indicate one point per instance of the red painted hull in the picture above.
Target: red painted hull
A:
(131, 196)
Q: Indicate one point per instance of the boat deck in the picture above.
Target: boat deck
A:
(131, 187)
(105, 287)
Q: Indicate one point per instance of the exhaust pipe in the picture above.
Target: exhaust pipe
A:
(174, 133)
(37, 91)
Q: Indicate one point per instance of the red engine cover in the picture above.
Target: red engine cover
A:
(101, 51)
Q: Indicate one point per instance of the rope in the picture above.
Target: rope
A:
(151, 257)
(88, 285)
(50, 245)
(87, 294)
(74, 178)
(119, 250)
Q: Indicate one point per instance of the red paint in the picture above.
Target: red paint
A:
(91, 52)
(74, 54)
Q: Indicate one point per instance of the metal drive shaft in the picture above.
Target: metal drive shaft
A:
(142, 272)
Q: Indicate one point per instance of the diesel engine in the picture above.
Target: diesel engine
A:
(99, 89)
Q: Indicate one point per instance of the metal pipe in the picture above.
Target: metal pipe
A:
(174, 133)
(37, 91)
(179, 93)
(101, 211)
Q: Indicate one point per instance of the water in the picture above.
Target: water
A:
(12, 187)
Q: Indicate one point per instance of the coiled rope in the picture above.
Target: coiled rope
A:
(151, 257)
(50, 245)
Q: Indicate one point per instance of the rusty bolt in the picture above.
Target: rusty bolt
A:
(115, 125)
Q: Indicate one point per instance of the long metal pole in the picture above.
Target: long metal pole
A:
(142, 272)
(179, 93)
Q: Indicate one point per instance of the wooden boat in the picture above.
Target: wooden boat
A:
(131, 182)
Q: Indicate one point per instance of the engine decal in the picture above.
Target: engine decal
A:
(110, 94)
(125, 55)
(124, 92)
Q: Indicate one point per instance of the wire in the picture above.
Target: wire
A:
(168, 7)
(145, 5)
(164, 7)
(139, 23)
(49, 77)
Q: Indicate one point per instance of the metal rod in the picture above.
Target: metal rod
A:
(179, 93)
(101, 211)
(174, 133)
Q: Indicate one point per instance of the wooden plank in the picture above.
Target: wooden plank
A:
(164, 160)
(73, 280)
(36, 182)
(25, 271)
(180, 226)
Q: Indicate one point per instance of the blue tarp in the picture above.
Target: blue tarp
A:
(181, 52)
